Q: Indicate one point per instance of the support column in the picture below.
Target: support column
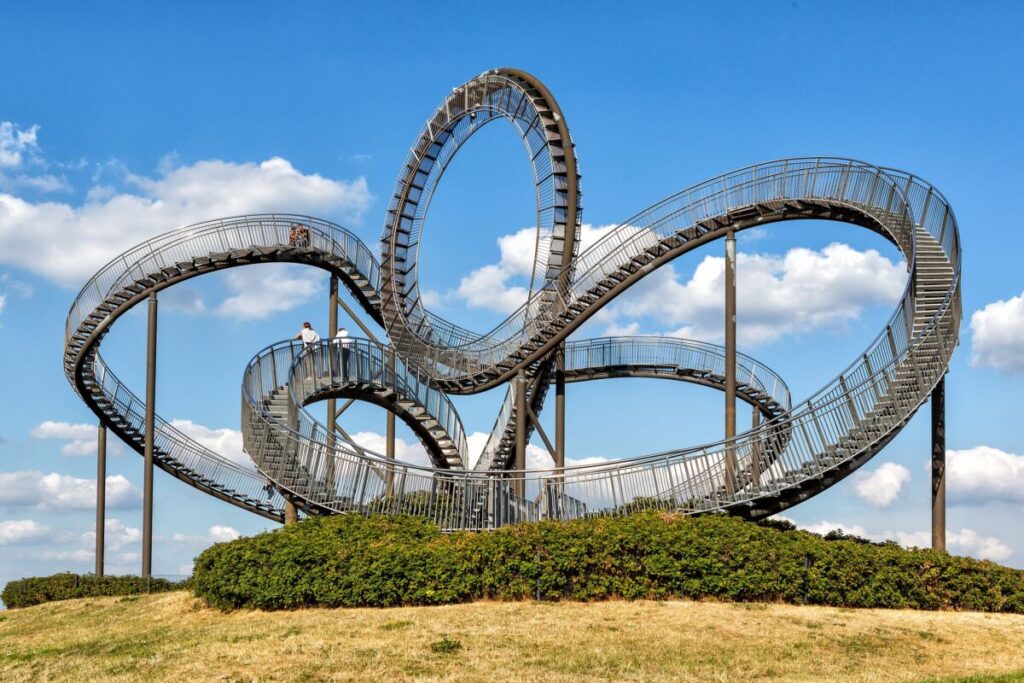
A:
(101, 495)
(291, 513)
(521, 419)
(147, 473)
(939, 466)
(730, 360)
(755, 462)
(560, 408)
(389, 482)
(332, 405)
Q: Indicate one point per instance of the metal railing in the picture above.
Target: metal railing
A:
(838, 425)
(834, 429)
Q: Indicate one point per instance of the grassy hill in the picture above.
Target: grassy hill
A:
(172, 637)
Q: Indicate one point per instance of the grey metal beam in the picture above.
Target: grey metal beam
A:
(560, 408)
(356, 319)
(332, 405)
(389, 479)
(101, 495)
(755, 453)
(147, 476)
(730, 360)
(291, 513)
(540, 430)
(939, 465)
(521, 419)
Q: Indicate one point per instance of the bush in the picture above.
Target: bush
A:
(39, 589)
(349, 560)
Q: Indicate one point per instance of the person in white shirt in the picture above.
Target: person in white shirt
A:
(308, 335)
(345, 342)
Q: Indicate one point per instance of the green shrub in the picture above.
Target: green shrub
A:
(350, 560)
(446, 646)
(40, 589)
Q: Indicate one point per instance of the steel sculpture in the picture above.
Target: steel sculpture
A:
(792, 452)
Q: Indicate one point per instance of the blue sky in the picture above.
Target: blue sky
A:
(122, 121)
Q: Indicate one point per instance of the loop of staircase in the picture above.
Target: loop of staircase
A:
(799, 450)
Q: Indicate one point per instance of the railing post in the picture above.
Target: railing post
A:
(101, 495)
(730, 361)
(939, 465)
(150, 436)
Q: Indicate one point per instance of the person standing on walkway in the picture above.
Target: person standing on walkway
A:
(309, 338)
(345, 342)
(308, 335)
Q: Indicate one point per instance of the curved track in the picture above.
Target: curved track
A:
(798, 452)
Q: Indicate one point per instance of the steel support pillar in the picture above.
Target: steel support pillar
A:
(389, 477)
(730, 360)
(332, 405)
(560, 408)
(101, 495)
(291, 513)
(755, 452)
(939, 465)
(521, 419)
(150, 435)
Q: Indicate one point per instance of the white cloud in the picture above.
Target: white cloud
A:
(61, 492)
(217, 533)
(68, 243)
(882, 486)
(79, 556)
(504, 286)
(984, 474)
(413, 453)
(16, 531)
(802, 291)
(80, 438)
(182, 298)
(9, 285)
(488, 288)
(823, 527)
(22, 289)
(19, 148)
(537, 457)
(964, 542)
(116, 535)
(253, 293)
(970, 542)
(996, 333)
(261, 291)
(16, 144)
(225, 442)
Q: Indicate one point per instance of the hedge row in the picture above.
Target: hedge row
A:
(40, 589)
(351, 560)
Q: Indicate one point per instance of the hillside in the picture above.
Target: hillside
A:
(171, 637)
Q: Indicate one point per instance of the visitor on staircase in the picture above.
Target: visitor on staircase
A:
(344, 341)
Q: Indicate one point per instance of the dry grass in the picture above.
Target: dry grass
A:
(171, 637)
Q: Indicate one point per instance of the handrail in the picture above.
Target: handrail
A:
(798, 450)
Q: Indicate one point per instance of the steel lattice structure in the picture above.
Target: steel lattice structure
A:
(797, 450)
